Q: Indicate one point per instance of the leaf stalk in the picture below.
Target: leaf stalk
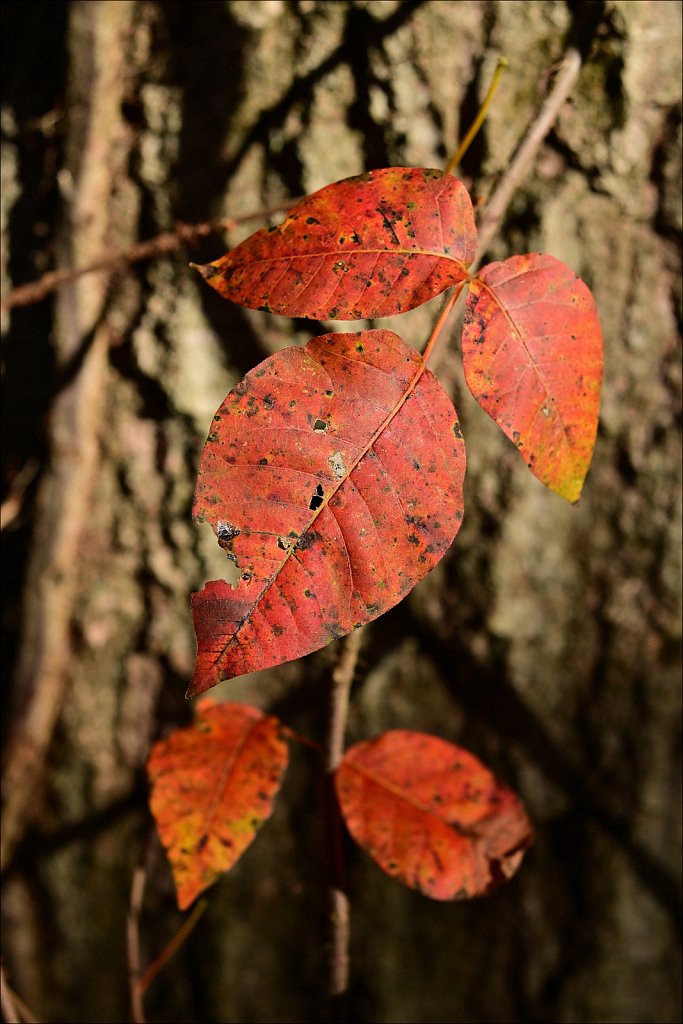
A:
(441, 320)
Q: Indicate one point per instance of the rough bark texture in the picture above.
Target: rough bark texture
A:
(548, 641)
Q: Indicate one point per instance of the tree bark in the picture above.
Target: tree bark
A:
(547, 641)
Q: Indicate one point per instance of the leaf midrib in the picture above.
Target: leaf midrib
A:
(398, 251)
(395, 789)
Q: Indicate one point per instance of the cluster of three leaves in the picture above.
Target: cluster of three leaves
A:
(333, 473)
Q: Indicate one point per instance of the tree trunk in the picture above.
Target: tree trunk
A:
(547, 641)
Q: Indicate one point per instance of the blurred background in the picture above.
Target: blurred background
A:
(547, 641)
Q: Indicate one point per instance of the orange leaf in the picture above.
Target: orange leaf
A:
(333, 478)
(213, 787)
(532, 352)
(430, 814)
(369, 246)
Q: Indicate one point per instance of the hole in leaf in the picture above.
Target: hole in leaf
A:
(213, 555)
(232, 574)
(283, 543)
(317, 498)
(320, 426)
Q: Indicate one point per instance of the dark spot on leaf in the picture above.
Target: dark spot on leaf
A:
(306, 540)
(414, 539)
(269, 401)
(226, 531)
(278, 630)
(312, 220)
(307, 593)
(320, 426)
(263, 462)
(418, 521)
(203, 840)
(457, 431)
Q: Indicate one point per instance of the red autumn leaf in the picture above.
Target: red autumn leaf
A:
(213, 787)
(369, 246)
(333, 478)
(430, 814)
(532, 352)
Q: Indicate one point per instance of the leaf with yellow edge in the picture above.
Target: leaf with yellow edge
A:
(532, 353)
(213, 786)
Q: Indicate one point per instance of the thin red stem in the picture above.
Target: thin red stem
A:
(442, 318)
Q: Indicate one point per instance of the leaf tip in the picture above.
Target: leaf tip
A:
(569, 489)
(204, 677)
(196, 688)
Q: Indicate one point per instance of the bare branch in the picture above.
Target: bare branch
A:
(174, 945)
(14, 1009)
(137, 892)
(495, 207)
(165, 243)
(342, 679)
